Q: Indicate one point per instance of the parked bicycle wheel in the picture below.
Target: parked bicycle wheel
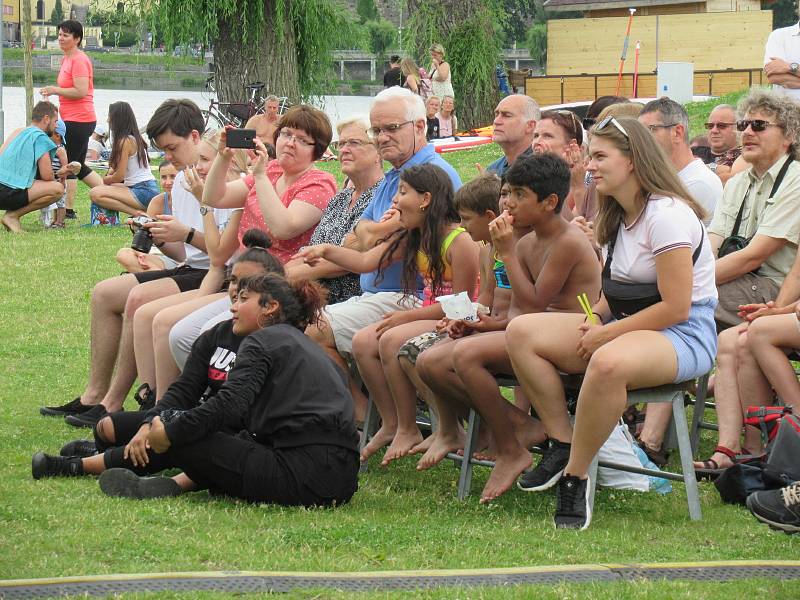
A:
(211, 120)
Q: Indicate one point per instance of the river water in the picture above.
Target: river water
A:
(145, 102)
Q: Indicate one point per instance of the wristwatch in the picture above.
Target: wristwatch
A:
(203, 210)
(793, 68)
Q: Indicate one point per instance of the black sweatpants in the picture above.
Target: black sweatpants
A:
(236, 465)
(77, 144)
(126, 425)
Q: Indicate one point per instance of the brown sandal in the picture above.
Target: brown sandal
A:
(710, 469)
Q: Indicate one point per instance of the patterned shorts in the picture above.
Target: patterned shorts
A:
(418, 344)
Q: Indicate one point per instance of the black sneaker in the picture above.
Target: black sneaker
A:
(73, 407)
(780, 509)
(572, 503)
(545, 475)
(88, 418)
(145, 396)
(71, 214)
(80, 448)
(44, 465)
(127, 484)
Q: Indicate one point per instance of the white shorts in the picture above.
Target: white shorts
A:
(352, 315)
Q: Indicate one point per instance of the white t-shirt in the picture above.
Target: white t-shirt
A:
(186, 209)
(784, 43)
(136, 172)
(665, 224)
(704, 186)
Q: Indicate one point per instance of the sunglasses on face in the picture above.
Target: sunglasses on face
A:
(757, 125)
(610, 120)
(722, 126)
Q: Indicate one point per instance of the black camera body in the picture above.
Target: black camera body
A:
(241, 138)
(142, 238)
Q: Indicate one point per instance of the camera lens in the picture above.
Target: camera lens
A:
(142, 240)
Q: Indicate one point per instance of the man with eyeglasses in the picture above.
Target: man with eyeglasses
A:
(398, 126)
(723, 139)
(669, 124)
(782, 60)
(514, 123)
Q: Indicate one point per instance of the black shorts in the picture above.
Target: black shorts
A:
(12, 198)
(187, 278)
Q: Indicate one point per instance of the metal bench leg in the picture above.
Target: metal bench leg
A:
(465, 476)
(685, 449)
(370, 427)
(697, 413)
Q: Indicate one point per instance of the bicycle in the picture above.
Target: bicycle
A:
(237, 114)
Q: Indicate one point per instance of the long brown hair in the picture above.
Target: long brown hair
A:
(123, 125)
(653, 171)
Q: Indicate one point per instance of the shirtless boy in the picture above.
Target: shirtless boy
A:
(547, 269)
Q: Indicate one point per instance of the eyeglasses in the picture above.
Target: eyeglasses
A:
(288, 135)
(355, 144)
(610, 120)
(657, 126)
(722, 126)
(374, 132)
(588, 122)
(756, 125)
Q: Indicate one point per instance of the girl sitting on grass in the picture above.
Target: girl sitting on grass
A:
(205, 372)
(281, 427)
(432, 245)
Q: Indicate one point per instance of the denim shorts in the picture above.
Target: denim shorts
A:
(144, 191)
(695, 341)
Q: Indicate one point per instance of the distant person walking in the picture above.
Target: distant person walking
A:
(394, 76)
(440, 73)
(76, 104)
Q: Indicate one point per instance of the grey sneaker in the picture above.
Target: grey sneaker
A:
(780, 509)
(572, 503)
(545, 475)
(127, 484)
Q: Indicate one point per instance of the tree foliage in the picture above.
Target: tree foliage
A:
(536, 40)
(367, 11)
(784, 13)
(57, 15)
(466, 29)
(382, 36)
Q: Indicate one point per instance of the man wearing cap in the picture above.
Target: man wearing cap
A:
(97, 144)
(26, 150)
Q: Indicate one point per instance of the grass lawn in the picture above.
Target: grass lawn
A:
(399, 519)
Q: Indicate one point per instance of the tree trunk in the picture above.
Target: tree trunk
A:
(27, 54)
(466, 29)
(270, 58)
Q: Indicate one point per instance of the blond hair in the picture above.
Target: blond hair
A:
(239, 162)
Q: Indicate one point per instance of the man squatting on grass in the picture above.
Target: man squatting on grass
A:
(26, 151)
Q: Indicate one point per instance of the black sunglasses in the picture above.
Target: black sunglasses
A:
(756, 125)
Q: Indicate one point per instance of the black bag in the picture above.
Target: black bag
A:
(736, 242)
(625, 299)
(784, 453)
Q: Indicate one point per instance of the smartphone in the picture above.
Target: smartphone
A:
(241, 138)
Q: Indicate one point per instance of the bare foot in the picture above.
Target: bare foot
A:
(506, 470)
(439, 449)
(401, 446)
(424, 444)
(11, 224)
(382, 437)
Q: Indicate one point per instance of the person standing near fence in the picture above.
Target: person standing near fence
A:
(75, 90)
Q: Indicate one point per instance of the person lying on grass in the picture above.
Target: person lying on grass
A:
(660, 332)
(296, 442)
(547, 270)
(478, 203)
(204, 373)
(430, 245)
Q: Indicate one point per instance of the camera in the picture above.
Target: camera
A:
(142, 238)
(241, 138)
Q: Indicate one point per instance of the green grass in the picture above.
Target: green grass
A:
(399, 519)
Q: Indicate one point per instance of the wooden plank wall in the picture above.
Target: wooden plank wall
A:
(576, 88)
(712, 41)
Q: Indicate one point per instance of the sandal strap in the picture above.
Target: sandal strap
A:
(726, 451)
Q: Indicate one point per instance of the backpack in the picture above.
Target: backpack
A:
(425, 88)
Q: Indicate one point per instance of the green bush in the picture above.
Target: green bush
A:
(382, 36)
(536, 40)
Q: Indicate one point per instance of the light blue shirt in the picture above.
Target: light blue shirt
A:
(382, 200)
(18, 161)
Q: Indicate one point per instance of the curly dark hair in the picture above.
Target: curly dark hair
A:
(429, 238)
(300, 301)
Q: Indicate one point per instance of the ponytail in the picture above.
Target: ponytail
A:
(258, 243)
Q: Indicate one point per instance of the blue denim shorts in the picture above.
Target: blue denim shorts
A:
(144, 191)
(695, 341)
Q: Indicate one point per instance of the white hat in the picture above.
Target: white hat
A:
(100, 130)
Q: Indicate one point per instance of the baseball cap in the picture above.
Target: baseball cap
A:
(100, 130)
(61, 129)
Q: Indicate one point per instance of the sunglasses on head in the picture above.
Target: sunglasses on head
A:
(756, 125)
(610, 120)
(587, 123)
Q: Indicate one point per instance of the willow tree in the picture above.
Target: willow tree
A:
(468, 31)
(287, 44)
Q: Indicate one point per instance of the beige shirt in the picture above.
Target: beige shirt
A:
(777, 217)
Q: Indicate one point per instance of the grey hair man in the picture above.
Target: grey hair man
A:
(723, 139)
(514, 123)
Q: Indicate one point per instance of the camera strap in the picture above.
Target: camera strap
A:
(775, 186)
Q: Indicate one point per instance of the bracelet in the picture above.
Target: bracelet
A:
(599, 318)
(190, 236)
